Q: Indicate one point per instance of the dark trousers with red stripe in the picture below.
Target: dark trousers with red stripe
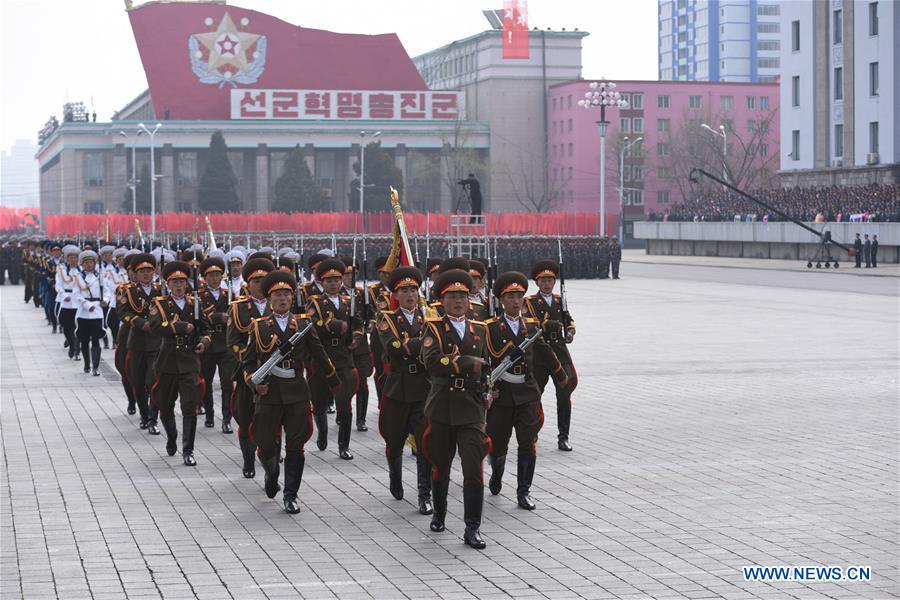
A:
(140, 366)
(563, 395)
(526, 419)
(225, 363)
(441, 442)
(270, 419)
(242, 406)
(396, 420)
(186, 387)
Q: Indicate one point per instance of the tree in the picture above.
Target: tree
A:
(295, 190)
(217, 191)
(460, 159)
(143, 193)
(381, 174)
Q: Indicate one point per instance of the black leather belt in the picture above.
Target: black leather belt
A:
(181, 341)
(517, 369)
(67, 291)
(335, 342)
(287, 363)
(413, 368)
(554, 336)
(455, 383)
(219, 328)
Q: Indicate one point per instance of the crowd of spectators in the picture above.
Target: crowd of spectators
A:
(869, 203)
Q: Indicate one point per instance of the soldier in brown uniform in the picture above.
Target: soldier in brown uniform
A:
(431, 271)
(362, 354)
(184, 336)
(143, 345)
(406, 384)
(214, 303)
(379, 299)
(517, 397)
(121, 353)
(454, 353)
(457, 262)
(283, 400)
(546, 307)
(241, 314)
(477, 302)
(314, 286)
(340, 336)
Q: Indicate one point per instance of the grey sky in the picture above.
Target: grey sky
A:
(57, 50)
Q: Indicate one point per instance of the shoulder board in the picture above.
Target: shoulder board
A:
(531, 320)
(302, 316)
(240, 299)
(260, 319)
(434, 319)
(556, 295)
(388, 312)
(435, 303)
(489, 321)
(476, 302)
(473, 322)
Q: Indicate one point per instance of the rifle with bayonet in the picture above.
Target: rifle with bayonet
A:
(508, 362)
(563, 297)
(259, 376)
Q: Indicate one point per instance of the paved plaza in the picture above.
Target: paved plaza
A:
(728, 415)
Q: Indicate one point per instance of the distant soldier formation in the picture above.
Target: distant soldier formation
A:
(460, 352)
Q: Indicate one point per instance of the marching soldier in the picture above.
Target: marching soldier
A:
(65, 292)
(517, 402)
(478, 301)
(362, 354)
(340, 335)
(214, 304)
(283, 400)
(143, 346)
(90, 297)
(431, 268)
(235, 261)
(313, 287)
(50, 302)
(379, 299)
(405, 384)
(121, 340)
(242, 313)
(454, 354)
(184, 336)
(546, 307)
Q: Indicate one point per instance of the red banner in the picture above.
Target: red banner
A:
(505, 224)
(14, 219)
(515, 29)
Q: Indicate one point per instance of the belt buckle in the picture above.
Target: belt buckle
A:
(219, 328)
(180, 341)
(413, 368)
(457, 383)
(518, 370)
(335, 341)
(286, 364)
(554, 336)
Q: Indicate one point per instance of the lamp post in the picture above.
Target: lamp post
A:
(622, 186)
(362, 167)
(602, 94)
(153, 178)
(724, 135)
(134, 180)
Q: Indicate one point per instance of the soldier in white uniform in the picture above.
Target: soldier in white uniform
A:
(65, 295)
(91, 298)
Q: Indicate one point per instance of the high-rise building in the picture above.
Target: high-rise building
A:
(839, 92)
(719, 40)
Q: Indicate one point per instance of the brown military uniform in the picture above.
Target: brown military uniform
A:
(379, 300)
(241, 314)
(120, 354)
(142, 347)
(218, 355)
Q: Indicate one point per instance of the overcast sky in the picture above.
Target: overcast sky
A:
(52, 51)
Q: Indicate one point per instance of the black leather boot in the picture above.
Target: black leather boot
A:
(439, 492)
(423, 473)
(293, 473)
(322, 431)
(189, 425)
(395, 473)
(362, 406)
(473, 501)
(248, 452)
(563, 418)
(95, 359)
(344, 436)
(141, 401)
(132, 404)
(498, 466)
(525, 473)
(168, 424)
(270, 465)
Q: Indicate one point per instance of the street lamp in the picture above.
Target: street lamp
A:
(134, 180)
(602, 94)
(622, 186)
(153, 178)
(362, 167)
(724, 135)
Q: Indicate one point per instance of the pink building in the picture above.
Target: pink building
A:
(669, 116)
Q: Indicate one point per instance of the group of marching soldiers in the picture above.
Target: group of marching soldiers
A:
(459, 365)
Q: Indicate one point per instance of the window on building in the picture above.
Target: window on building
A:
(637, 173)
(873, 18)
(768, 62)
(768, 10)
(795, 36)
(764, 103)
(682, 53)
(795, 91)
(570, 125)
(625, 125)
(637, 197)
(873, 79)
(186, 168)
(751, 126)
(763, 149)
(662, 149)
(768, 45)
(663, 125)
(571, 149)
(553, 151)
(682, 4)
(682, 20)
(569, 101)
(873, 137)
(627, 98)
(637, 101)
(571, 175)
(837, 27)
(682, 70)
(694, 101)
(626, 172)
(751, 102)
(838, 83)
(728, 124)
(555, 173)
(662, 172)
(795, 144)
(662, 197)
(662, 101)
(839, 140)
(93, 208)
(682, 36)
(93, 169)
(554, 105)
(637, 125)
(726, 102)
(773, 27)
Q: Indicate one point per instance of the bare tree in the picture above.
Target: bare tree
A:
(460, 158)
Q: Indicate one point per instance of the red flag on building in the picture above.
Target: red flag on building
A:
(515, 28)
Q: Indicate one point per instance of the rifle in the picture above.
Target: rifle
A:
(196, 270)
(260, 375)
(365, 270)
(508, 362)
(490, 280)
(212, 237)
(497, 307)
(301, 270)
(426, 281)
(566, 317)
(353, 282)
(162, 264)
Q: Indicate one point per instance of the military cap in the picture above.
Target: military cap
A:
(315, 259)
(433, 265)
(71, 249)
(544, 268)
(510, 281)
(211, 265)
(380, 263)
(278, 280)
(454, 280)
(257, 267)
(191, 256)
(239, 248)
(259, 254)
(330, 267)
(348, 261)
(142, 260)
(268, 250)
(457, 262)
(120, 252)
(217, 253)
(477, 268)
(87, 255)
(235, 256)
(177, 269)
(286, 264)
(284, 250)
(403, 277)
(105, 249)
